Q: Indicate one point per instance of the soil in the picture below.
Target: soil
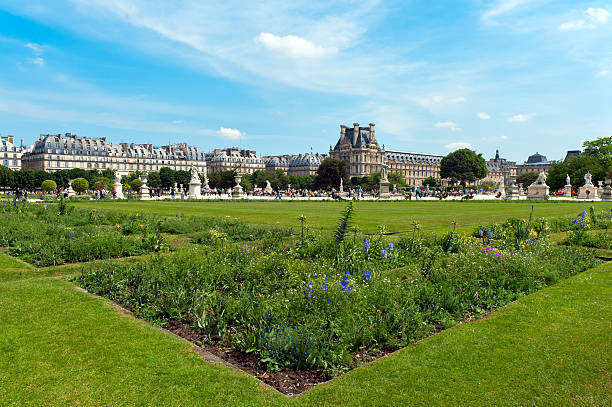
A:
(288, 381)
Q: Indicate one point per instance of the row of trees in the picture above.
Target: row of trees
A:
(33, 179)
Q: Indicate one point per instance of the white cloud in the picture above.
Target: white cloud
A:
(37, 48)
(603, 73)
(458, 144)
(502, 7)
(504, 137)
(483, 116)
(459, 99)
(521, 117)
(37, 61)
(293, 46)
(449, 125)
(229, 133)
(592, 18)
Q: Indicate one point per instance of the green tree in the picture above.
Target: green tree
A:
(463, 165)
(99, 185)
(135, 184)
(182, 177)
(576, 168)
(397, 179)
(329, 173)
(527, 178)
(48, 185)
(430, 181)
(7, 177)
(222, 179)
(80, 185)
(109, 173)
(166, 176)
(600, 148)
(154, 180)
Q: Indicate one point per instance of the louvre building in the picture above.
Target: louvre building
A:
(358, 146)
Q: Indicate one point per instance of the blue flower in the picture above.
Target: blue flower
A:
(480, 233)
(325, 278)
(490, 234)
(310, 284)
(324, 287)
(366, 247)
(365, 239)
(575, 220)
(309, 295)
(581, 224)
(390, 246)
(583, 214)
(328, 301)
(384, 254)
(367, 274)
(347, 273)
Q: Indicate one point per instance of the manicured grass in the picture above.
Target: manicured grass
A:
(395, 215)
(60, 346)
(12, 268)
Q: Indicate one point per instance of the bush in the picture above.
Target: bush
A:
(48, 185)
(80, 185)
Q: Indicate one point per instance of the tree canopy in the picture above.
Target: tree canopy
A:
(463, 165)
(526, 178)
(330, 172)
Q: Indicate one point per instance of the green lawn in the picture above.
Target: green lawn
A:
(60, 346)
(395, 215)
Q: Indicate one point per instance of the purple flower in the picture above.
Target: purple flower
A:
(347, 273)
(390, 246)
(310, 285)
(325, 278)
(384, 254)
(480, 233)
(328, 301)
(309, 295)
(575, 220)
(324, 287)
(367, 274)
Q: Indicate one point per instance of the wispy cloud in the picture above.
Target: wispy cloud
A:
(521, 117)
(502, 7)
(37, 61)
(602, 73)
(37, 48)
(483, 116)
(448, 125)
(229, 133)
(592, 17)
(457, 144)
(293, 46)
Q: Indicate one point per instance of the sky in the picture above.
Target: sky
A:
(280, 76)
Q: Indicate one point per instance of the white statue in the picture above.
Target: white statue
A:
(195, 177)
(587, 179)
(567, 180)
(383, 173)
(541, 180)
(117, 178)
(268, 186)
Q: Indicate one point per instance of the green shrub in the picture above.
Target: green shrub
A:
(80, 185)
(48, 185)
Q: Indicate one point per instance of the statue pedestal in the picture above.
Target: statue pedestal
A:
(237, 192)
(512, 193)
(195, 190)
(70, 191)
(143, 194)
(567, 191)
(592, 192)
(538, 191)
(118, 190)
(384, 190)
(607, 193)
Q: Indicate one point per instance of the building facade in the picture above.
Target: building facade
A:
(536, 162)
(300, 165)
(63, 152)
(358, 146)
(234, 159)
(499, 171)
(10, 154)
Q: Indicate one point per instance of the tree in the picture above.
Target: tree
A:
(182, 177)
(80, 185)
(527, 178)
(430, 181)
(48, 185)
(600, 148)
(154, 180)
(99, 185)
(329, 173)
(222, 179)
(463, 165)
(576, 168)
(166, 176)
(135, 184)
(7, 177)
(397, 179)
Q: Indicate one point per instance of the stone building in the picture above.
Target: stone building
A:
(300, 165)
(234, 159)
(536, 162)
(358, 146)
(63, 152)
(499, 170)
(10, 154)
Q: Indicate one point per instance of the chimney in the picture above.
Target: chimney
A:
(355, 132)
(372, 138)
(11, 139)
(342, 132)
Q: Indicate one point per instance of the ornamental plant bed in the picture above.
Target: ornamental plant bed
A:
(325, 304)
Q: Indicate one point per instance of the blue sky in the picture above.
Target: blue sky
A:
(280, 77)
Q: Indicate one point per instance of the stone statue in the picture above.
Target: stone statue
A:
(384, 173)
(117, 178)
(268, 186)
(588, 179)
(541, 180)
(195, 177)
(567, 180)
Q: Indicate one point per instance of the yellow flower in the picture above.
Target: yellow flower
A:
(533, 233)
